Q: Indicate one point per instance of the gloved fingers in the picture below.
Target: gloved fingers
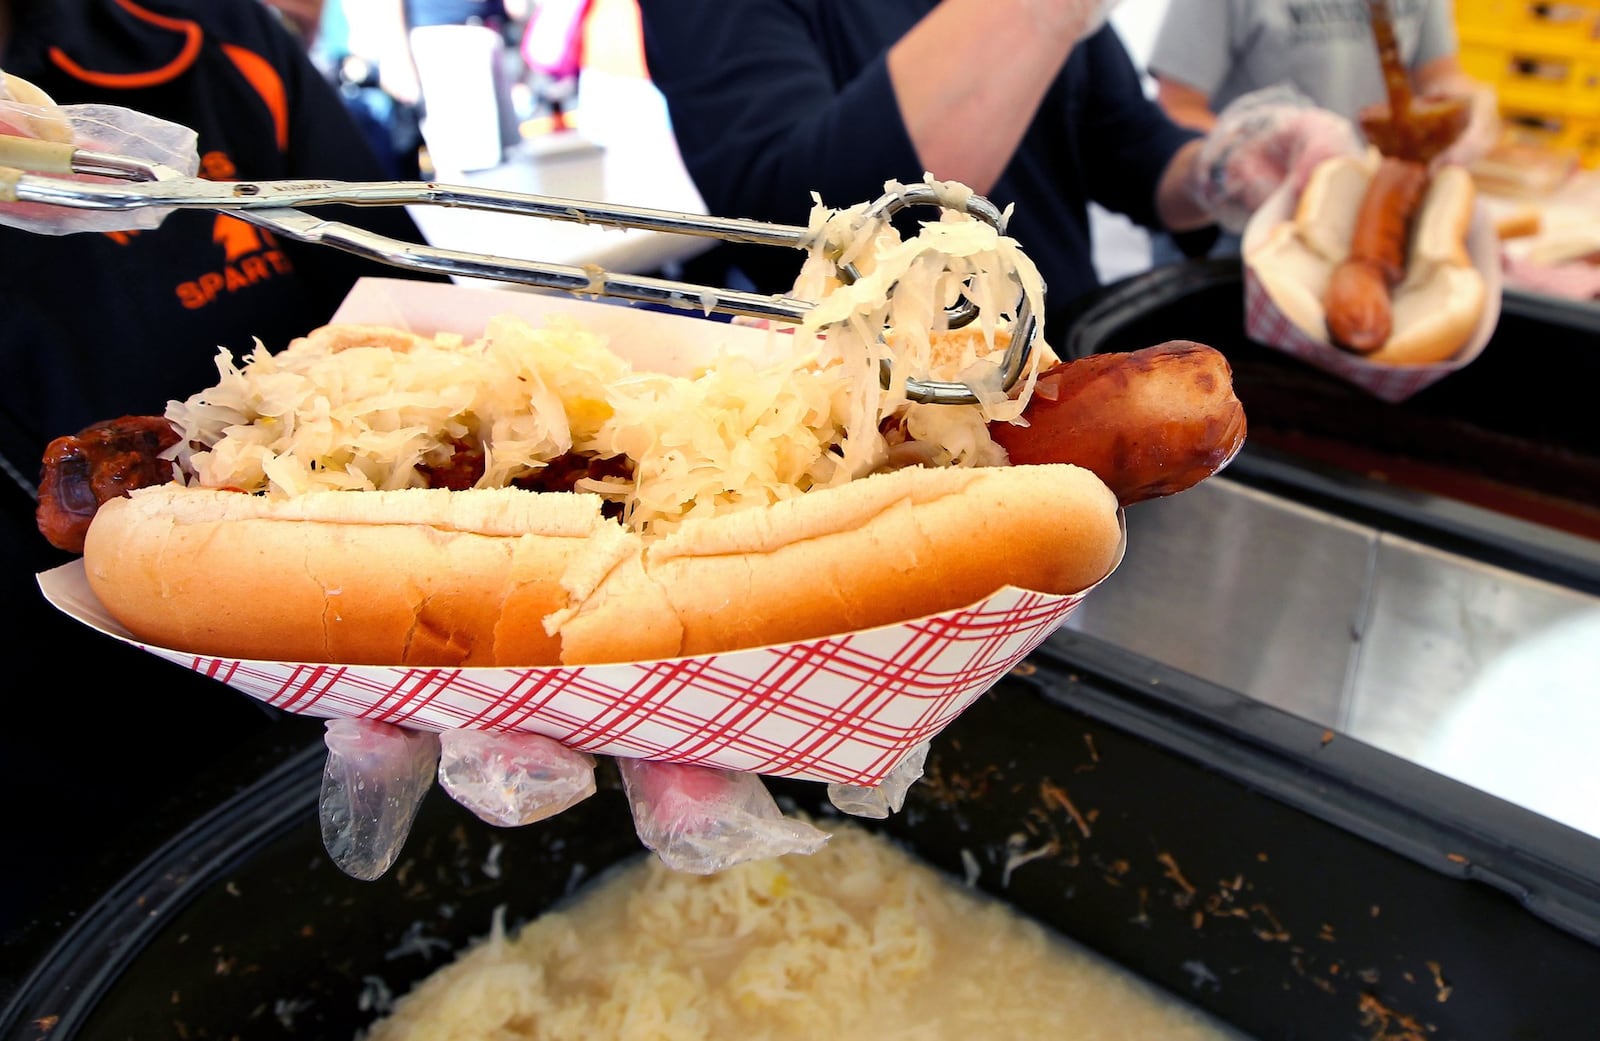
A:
(372, 785)
(702, 820)
(1313, 136)
(512, 779)
(1261, 141)
(885, 798)
(1484, 128)
(26, 111)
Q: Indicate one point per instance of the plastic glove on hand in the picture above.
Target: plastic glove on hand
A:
(372, 786)
(27, 112)
(1263, 140)
(511, 779)
(888, 796)
(702, 820)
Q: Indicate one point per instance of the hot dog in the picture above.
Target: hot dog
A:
(1150, 422)
(1331, 266)
(1360, 317)
(583, 558)
(524, 495)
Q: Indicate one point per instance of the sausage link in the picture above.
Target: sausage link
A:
(1383, 223)
(101, 462)
(1360, 313)
(1358, 302)
(1148, 423)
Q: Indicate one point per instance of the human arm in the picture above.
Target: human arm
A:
(970, 76)
(771, 101)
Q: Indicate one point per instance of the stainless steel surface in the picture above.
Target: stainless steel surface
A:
(277, 205)
(1251, 592)
(1477, 672)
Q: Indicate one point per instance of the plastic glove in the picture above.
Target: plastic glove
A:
(511, 779)
(372, 785)
(1482, 133)
(888, 796)
(26, 111)
(702, 820)
(1262, 140)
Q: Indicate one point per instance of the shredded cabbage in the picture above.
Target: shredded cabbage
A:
(366, 408)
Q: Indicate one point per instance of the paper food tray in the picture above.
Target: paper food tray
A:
(1266, 324)
(845, 708)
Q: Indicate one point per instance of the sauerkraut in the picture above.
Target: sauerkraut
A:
(362, 408)
(857, 942)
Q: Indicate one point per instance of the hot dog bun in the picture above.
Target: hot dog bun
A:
(513, 578)
(1438, 304)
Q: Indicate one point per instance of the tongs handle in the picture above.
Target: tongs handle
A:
(30, 153)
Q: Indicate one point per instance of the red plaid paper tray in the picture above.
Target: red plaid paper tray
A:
(843, 709)
(1266, 324)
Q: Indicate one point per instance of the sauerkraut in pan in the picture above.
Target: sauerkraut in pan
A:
(368, 408)
(857, 942)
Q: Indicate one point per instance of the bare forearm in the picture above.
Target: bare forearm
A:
(969, 77)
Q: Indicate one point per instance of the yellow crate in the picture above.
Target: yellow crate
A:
(1568, 29)
(1562, 80)
(1575, 135)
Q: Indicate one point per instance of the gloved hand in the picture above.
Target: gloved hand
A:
(26, 111)
(1482, 133)
(888, 796)
(1261, 141)
(703, 820)
(512, 779)
(377, 774)
(696, 819)
(372, 785)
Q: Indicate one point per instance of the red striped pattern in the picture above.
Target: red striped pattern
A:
(1267, 325)
(846, 708)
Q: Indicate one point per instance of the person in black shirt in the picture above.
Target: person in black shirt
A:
(100, 325)
(1035, 105)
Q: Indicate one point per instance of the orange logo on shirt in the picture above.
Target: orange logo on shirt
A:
(251, 255)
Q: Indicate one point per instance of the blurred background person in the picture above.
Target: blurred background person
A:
(1207, 53)
(100, 325)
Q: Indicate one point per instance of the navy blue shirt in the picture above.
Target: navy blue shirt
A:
(100, 325)
(772, 100)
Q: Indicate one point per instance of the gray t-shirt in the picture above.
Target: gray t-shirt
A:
(1226, 48)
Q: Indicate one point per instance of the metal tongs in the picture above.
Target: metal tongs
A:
(275, 205)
